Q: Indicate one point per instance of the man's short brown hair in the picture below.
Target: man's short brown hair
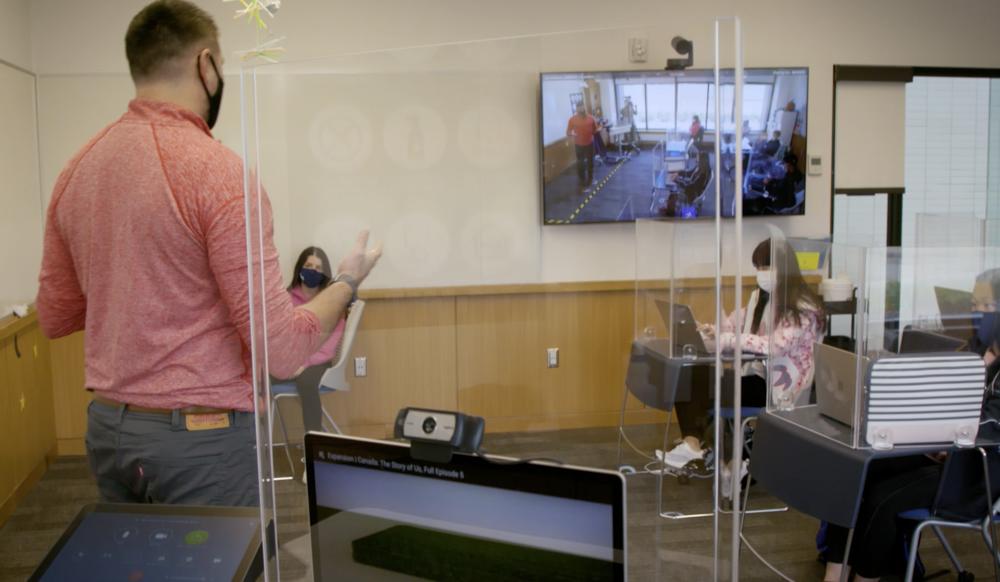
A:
(163, 31)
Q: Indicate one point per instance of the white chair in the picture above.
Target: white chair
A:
(326, 379)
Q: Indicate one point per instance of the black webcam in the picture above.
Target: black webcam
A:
(435, 434)
(683, 46)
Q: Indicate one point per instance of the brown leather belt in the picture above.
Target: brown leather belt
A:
(147, 410)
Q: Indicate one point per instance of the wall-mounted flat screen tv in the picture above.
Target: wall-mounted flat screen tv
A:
(617, 146)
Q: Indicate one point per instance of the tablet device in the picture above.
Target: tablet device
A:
(146, 542)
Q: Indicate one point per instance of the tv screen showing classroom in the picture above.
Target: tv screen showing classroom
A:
(617, 146)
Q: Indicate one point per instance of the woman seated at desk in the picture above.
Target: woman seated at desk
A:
(899, 484)
(311, 275)
(782, 299)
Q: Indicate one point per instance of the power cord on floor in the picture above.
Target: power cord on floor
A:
(754, 551)
(634, 448)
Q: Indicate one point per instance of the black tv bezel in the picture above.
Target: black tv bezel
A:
(540, 129)
(601, 486)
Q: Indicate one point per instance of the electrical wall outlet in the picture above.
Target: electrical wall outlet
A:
(552, 357)
(638, 50)
(360, 367)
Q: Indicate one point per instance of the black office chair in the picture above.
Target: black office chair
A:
(967, 498)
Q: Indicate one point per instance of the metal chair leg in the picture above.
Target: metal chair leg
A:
(947, 549)
(284, 433)
(329, 419)
(911, 560)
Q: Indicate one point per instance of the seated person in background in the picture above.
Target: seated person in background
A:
(985, 295)
(782, 319)
(898, 484)
(691, 183)
(311, 275)
(696, 132)
(772, 145)
(779, 193)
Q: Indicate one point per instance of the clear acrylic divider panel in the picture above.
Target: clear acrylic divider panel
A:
(878, 302)
(475, 305)
(815, 321)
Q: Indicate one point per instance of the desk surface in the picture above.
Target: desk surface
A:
(810, 469)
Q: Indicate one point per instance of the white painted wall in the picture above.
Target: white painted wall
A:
(776, 33)
(20, 206)
(15, 31)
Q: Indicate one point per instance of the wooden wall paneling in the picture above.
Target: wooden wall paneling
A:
(501, 355)
(17, 401)
(38, 390)
(7, 451)
(410, 349)
(70, 395)
(27, 432)
(43, 371)
(503, 374)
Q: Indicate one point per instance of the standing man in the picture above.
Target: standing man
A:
(581, 128)
(145, 250)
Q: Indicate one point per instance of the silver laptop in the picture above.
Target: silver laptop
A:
(837, 382)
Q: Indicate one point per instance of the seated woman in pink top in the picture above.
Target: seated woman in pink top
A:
(312, 273)
(783, 319)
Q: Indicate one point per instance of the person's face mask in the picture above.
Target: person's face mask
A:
(765, 281)
(311, 278)
(214, 101)
(985, 323)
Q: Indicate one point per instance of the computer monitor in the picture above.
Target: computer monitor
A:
(377, 513)
(140, 541)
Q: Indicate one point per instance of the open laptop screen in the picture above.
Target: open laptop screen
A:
(376, 513)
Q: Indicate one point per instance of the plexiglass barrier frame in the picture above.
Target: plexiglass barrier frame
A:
(328, 152)
(886, 310)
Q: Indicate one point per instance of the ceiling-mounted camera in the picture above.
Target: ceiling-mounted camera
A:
(683, 46)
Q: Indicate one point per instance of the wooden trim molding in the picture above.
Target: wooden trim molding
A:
(13, 324)
(536, 288)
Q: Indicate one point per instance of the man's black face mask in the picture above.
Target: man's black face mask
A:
(214, 101)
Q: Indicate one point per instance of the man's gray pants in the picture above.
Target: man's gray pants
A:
(146, 457)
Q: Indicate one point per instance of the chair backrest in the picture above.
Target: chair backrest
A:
(924, 399)
(962, 491)
(335, 377)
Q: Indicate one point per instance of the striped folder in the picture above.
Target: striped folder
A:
(925, 399)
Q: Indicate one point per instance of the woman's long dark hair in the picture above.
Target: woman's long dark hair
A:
(303, 257)
(790, 290)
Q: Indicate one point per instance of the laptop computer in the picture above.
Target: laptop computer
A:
(916, 341)
(133, 541)
(378, 514)
(955, 307)
(836, 382)
(686, 332)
